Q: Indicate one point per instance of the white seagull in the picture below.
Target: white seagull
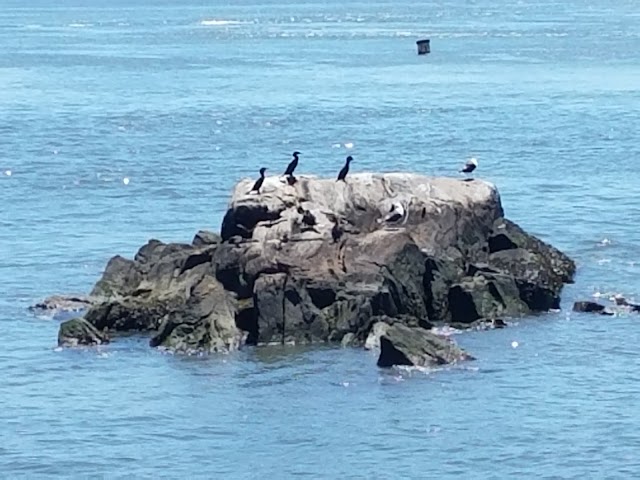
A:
(396, 214)
(470, 166)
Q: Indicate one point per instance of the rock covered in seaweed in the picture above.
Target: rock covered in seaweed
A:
(78, 331)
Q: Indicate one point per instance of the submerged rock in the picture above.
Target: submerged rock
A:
(591, 307)
(270, 277)
(63, 303)
(402, 345)
(78, 331)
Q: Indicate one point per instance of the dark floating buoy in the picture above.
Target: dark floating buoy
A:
(424, 46)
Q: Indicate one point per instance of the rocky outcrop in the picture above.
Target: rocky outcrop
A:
(78, 331)
(315, 261)
(403, 345)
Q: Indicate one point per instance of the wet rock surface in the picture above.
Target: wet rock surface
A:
(403, 345)
(78, 331)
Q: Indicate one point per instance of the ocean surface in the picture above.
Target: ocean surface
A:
(184, 98)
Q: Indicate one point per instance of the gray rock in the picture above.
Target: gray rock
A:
(121, 277)
(485, 296)
(270, 278)
(63, 306)
(591, 307)
(78, 331)
(205, 324)
(402, 345)
(373, 340)
(132, 314)
(204, 237)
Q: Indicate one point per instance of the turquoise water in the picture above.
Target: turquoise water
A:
(184, 99)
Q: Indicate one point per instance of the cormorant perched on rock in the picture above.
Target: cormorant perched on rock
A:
(470, 166)
(336, 231)
(343, 173)
(292, 166)
(259, 182)
(308, 219)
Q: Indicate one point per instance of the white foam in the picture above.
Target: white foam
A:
(126, 180)
(80, 25)
(8, 173)
(218, 23)
(514, 344)
(348, 145)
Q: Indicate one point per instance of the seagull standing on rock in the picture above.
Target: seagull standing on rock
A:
(395, 214)
(470, 166)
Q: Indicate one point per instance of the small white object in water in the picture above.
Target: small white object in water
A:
(348, 145)
(345, 384)
(514, 344)
(605, 242)
(125, 180)
(8, 173)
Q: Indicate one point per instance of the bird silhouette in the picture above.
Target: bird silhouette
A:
(343, 173)
(292, 166)
(258, 185)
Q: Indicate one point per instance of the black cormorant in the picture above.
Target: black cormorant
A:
(308, 218)
(345, 169)
(292, 166)
(336, 231)
(259, 182)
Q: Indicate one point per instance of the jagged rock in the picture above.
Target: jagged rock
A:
(485, 296)
(204, 237)
(137, 294)
(451, 258)
(120, 278)
(373, 340)
(591, 307)
(78, 331)
(402, 345)
(131, 314)
(205, 324)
